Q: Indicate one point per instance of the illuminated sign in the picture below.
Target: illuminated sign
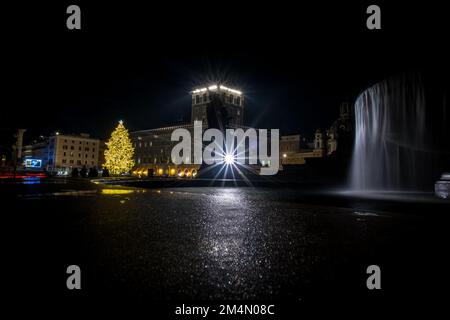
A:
(33, 163)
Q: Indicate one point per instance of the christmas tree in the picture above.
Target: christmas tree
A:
(119, 152)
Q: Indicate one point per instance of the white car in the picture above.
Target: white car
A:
(442, 187)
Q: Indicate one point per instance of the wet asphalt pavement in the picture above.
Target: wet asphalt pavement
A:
(192, 244)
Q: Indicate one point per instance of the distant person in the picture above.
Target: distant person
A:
(105, 172)
(83, 172)
(75, 173)
(93, 173)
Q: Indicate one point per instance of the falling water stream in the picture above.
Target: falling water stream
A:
(398, 136)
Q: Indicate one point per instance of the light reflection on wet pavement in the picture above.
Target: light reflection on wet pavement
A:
(215, 243)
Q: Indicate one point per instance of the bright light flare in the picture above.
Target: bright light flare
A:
(229, 158)
(230, 90)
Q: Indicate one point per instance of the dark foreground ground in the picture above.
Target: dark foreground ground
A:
(158, 248)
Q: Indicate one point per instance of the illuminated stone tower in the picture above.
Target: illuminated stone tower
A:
(217, 106)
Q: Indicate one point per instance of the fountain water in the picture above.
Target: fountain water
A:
(400, 136)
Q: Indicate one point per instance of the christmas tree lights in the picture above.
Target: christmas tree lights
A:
(119, 152)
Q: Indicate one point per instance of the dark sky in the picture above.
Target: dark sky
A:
(295, 63)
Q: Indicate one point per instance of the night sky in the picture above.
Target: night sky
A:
(295, 63)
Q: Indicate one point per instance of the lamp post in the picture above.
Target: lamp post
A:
(17, 149)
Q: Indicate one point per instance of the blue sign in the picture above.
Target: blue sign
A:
(33, 163)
